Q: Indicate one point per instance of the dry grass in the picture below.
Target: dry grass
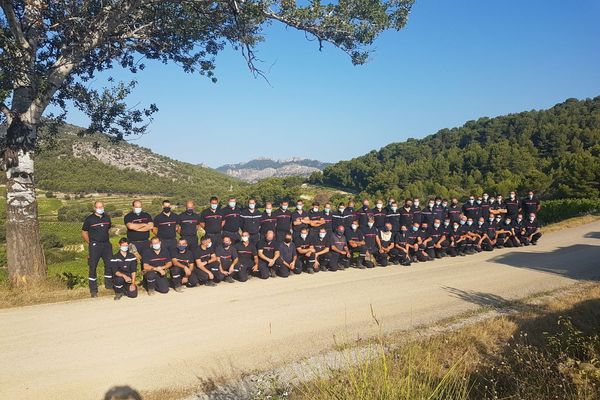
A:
(571, 223)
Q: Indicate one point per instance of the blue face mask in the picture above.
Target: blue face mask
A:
(214, 206)
(181, 248)
(415, 228)
(462, 222)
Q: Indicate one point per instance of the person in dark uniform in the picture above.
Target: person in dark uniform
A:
(363, 215)
(512, 206)
(139, 225)
(406, 215)
(416, 210)
(211, 221)
(207, 264)
(227, 257)
(189, 222)
(485, 206)
(356, 244)
(156, 262)
(251, 220)
(437, 236)
(268, 253)
(95, 233)
(183, 266)
(231, 222)
(339, 217)
(394, 217)
(284, 221)
(328, 218)
(530, 204)
(457, 240)
(268, 221)
(470, 236)
(519, 226)
(498, 208)
(165, 227)
(470, 209)
(247, 257)
(305, 252)
(483, 242)
(454, 211)
(506, 234)
(427, 213)
(379, 214)
(124, 267)
(439, 211)
(370, 234)
(300, 218)
(533, 232)
(315, 219)
(339, 256)
(419, 237)
(386, 251)
(322, 243)
(491, 227)
(401, 241)
(286, 262)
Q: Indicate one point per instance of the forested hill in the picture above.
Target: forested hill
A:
(262, 168)
(74, 164)
(556, 151)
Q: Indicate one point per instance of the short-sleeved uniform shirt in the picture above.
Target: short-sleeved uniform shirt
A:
(97, 227)
(250, 220)
(531, 227)
(394, 218)
(268, 247)
(439, 211)
(417, 214)
(363, 214)
(186, 257)
(141, 218)
(268, 222)
(485, 208)
(355, 235)
(188, 224)
(212, 221)
(454, 212)
(303, 244)
(315, 216)
(406, 217)
(246, 253)
(226, 256)
(512, 207)
(530, 205)
(287, 252)
(491, 228)
(231, 217)
(370, 235)
(379, 217)
(204, 255)
(125, 264)
(435, 234)
(284, 220)
(154, 259)
(320, 243)
(166, 225)
(401, 238)
(471, 210)
(338, 241)
(299, 214)
(328, 217)
(427, 215)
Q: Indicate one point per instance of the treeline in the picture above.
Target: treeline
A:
(554, 151)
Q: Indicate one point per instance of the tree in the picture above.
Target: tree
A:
(49, 50)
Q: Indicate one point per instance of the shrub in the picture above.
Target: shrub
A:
(72, 281)
(50, 195)
(73, 213)
(51, 241)
(55, 256)
(558, 210)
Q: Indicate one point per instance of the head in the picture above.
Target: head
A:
(231, 202)
(431, 203)
(471, 199)
(124, 245)
(408, 203)
(532, 217)
(287, 238)
(424, 226)
(304, 233)
(284, 205)
(340, 230)
(351, 204)
(387, 227)
(530, 194)
(252, 204)
(245, 237)
(481, 221)
(166, 206)
(136, 206)
(371, 222)
(322, 233)
(366, 202)
(416, 202)
(206, 242)
(454, 201)
(485, 197)
(394, 206)
(269, 207)
(299, 204)
(315, 206)
(341, 207)
(270, 235)
(447, 222)
(182, 245)
(226, 241)
(99, 207)
(327, 207)
(469, 221)
(155, 243)
(519, 217)
(415, 226)
(513, 194)
(189, 206)
(355, 225)
(214, 203)
(379, 204)
(437, 222)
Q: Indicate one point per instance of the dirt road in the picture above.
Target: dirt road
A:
(77, 350)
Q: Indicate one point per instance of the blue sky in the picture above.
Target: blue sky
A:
(455, 61)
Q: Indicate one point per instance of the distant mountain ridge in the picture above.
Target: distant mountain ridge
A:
(262, 168)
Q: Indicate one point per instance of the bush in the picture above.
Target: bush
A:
(55, 256)
(558, 210)
(51, 241)
(73, 213)
(67, 197)
(72, 281)
(50, 195)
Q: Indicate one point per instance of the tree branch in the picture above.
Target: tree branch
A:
(14, 24)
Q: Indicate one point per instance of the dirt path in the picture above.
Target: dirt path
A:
(80, 349)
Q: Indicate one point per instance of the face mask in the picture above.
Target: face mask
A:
(287, 240)
(322, 235)
(137, 210)
(394, 208)
(512, 196)
(226, 244)
(438, 202)
(370, 224)
(379, 206)
(341, 209)
(507, 222)
(232, 204)
(340, 232)
(499, 199)
(124, 249)
(455, 226)
(431, 205)
(480, 223)
(355, 227)
(189, 210)
(446, 223)
(245, 238)
(531, 218)
(268, 211)
(530, 196)
(498, 219)
(209, 245)
(416, 203)
(166, 210)
(299, 207)
(471, 201)
(436, 225)
(491, 219)
(485, 197)
(181, 248)
(315, 209)
(303, 235)
(284, 208)
(156, 246)
(214, 206)
(327, 210)
(469, 223)
(251, 206)
(519, 219)
(462, 222)
(492, 200)
(99, 211)
(478, 201)
(445, 204)
(415, 228)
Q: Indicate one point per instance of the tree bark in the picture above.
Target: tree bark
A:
(25, 255)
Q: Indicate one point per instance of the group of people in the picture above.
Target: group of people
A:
(239, 243)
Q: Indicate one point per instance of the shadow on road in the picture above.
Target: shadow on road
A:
(571, 261)
(592, 235)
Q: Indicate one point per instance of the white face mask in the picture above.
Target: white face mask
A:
(327, 209)
(214, 206)
(299, 206)
(438, 202)
(232, 204)
(436, 225)
(268, 211)
(416, 204)
(99, 211)
(370, 224)
(284, 208)
(531, 219)
(379, 206)
(354, 226)
(245, 238)
(156, 246)
(394, 208)
(303, 235)
(137, 210)
(341, 209)
(124, 249)
(322, 235)
(315, 209)
(209, 245)
(251, 206)
(485, 198)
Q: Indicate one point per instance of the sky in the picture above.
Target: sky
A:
(455, 61)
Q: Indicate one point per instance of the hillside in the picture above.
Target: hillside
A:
(262, 168)
(555, 151)
(69, 163)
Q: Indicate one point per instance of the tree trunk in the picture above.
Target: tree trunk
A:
(26, 262)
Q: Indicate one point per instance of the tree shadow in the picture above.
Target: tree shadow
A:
(579, 261)
(592, 235)
(491, 300)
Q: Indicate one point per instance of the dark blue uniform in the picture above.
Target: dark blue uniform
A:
(97, 228)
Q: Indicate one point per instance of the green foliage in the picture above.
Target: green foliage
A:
(50, 194)
(74, 212)
(558, 210)
(72, 281)
(555, 151)
(51, 241)
(55, 256)
(273, 189)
